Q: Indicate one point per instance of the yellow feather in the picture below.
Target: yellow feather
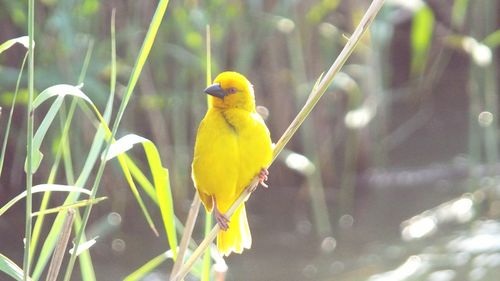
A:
(232, 145)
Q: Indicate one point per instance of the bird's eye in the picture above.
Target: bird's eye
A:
(231, 90)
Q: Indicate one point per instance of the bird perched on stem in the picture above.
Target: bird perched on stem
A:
(233, 145)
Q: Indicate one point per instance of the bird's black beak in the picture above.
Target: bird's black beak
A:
(216, 91)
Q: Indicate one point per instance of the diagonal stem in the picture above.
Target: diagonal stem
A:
(58, 256)
(314, 97)
(186, 234)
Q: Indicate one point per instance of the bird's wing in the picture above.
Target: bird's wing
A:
(256, 149)
(216, 161)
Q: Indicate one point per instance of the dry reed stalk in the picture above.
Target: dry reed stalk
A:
(57, 257)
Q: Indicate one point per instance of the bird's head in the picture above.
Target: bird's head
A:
(231, 90)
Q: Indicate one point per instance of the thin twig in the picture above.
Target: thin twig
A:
(301, 116)
(186, 234)
(57, 257)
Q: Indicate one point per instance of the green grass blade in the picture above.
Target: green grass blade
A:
(42, 131)
(10, 268)
(421, 38)
(43, 188)
(138, 198)
(116, 150)
(23, 40)
(208, 69)
(60, 91)
(143, 54)
(78, 204)
(141, 179)
(123, 145)
(86, 266)
(160, 179)
(86, 62)
(99, 137)
(29, 137)
(112, 80)
(157, 261)
(164, 195)
(65, 146)
(148, 267)
(9, 121)
(43, 205)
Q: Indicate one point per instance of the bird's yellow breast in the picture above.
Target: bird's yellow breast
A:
(232, 146)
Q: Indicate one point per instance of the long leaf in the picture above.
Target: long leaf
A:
(116, 150)
(164, 195)
(43, 188)
(141, 179)
(160, 179)
(23, 40)
(148, 267)
(59, 91)
(10, 268)
(11, 113)
(78, 204)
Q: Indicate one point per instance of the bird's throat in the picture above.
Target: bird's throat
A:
(230, 124)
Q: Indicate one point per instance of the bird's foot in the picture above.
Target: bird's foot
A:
(221, 219)
(263, 177)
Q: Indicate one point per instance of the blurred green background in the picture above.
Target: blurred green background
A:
(394, 176)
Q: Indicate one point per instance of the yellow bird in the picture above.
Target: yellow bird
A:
(233, 145)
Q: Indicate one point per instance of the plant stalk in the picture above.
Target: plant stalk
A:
(186, 234)
(57, 258)
(29, 156)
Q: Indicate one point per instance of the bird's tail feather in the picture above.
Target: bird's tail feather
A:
(237, 237)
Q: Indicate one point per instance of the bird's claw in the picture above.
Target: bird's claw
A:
(263, 176)
(221, 219)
